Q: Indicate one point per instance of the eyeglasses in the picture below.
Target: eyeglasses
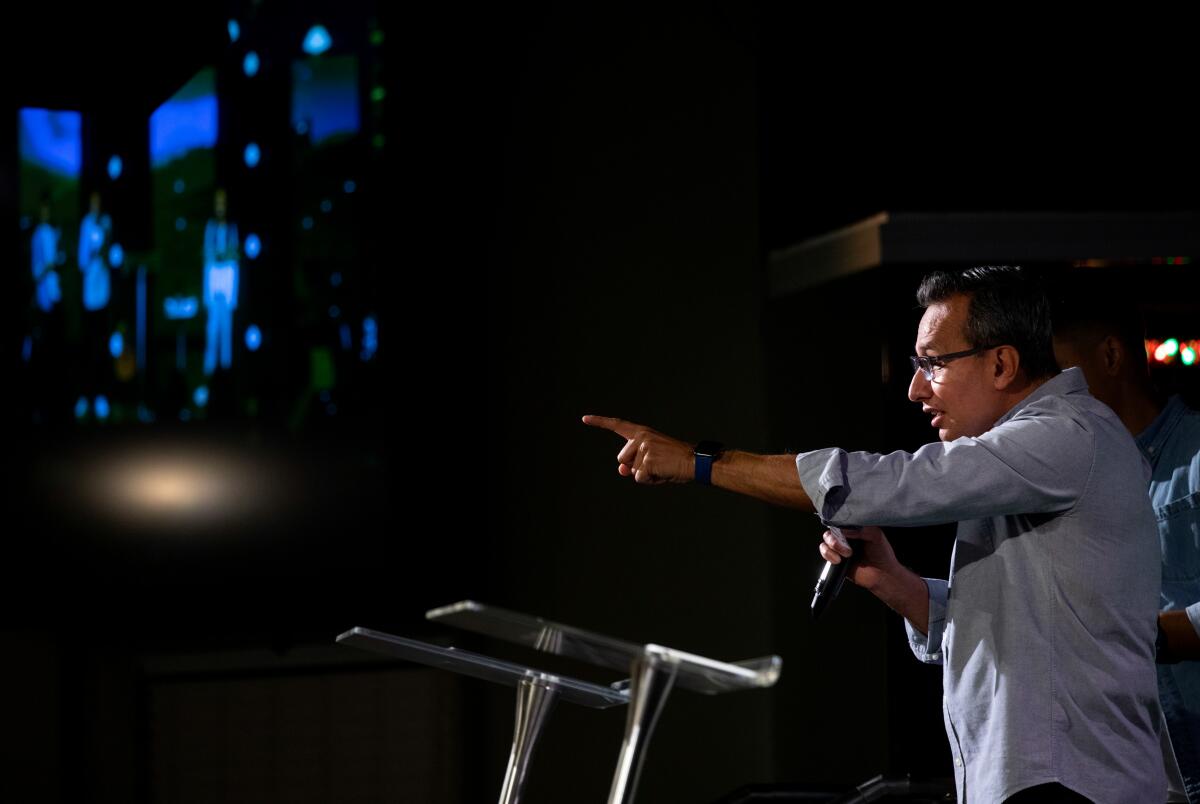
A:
(927, 364)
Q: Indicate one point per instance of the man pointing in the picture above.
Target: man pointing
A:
(1046, 625)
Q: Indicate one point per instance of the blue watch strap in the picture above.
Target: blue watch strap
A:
(706, 452)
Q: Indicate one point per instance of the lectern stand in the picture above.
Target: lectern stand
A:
(653, 671)
(537, 692)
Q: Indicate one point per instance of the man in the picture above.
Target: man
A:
(1046, 626)
(44, 252)
(95, 238)
(220, 285)
(1104, 338)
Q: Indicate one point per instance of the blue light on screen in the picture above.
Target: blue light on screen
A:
(186, 122)
(181, 308)
(325, 98)
(317, 40)
(52, 140)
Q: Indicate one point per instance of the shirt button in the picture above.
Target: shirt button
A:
(958, 762)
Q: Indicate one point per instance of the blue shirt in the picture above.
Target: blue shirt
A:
(1046, 626)
(1172, 445)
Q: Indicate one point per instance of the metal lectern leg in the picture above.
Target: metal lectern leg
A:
(650, 684)
(535, 699)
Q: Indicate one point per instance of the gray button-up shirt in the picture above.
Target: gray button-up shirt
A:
(1046, 627)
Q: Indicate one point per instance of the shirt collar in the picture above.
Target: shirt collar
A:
(1153, 438)
(1069, 381)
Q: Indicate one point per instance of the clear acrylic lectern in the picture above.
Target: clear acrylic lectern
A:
(653, 671)
(536, 691)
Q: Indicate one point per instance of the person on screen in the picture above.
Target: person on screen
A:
(95, 237)
(220, 284)
(44, 249)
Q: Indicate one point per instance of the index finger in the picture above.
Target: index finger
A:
(619, 426)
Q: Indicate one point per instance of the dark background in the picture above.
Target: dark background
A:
(573, 215)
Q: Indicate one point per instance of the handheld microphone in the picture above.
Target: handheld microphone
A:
(832, 578)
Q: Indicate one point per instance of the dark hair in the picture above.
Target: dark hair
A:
(1095, 305)
(1008, 306)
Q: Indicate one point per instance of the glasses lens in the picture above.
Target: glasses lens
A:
(922, 364)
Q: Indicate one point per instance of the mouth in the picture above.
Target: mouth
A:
(938, 417)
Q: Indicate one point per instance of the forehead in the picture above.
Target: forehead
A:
(943, 326)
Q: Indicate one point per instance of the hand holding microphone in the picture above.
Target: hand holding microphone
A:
(838, 557)
(868, 563)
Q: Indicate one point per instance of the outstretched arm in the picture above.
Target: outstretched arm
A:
(651, 457)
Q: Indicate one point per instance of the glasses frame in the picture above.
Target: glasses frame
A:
(927, 364)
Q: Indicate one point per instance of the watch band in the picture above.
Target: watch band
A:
(706, 453)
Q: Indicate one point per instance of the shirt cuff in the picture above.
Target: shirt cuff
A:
(823, 475)
(928, 647)
(1193, 613)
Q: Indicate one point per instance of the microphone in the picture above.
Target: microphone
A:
(832, 578)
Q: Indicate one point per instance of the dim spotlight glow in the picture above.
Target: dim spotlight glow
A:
(252, 155)
(335, 279)
(172, 485)
(235, 30)
(253, 337)
(200, 396)
(179, 186)
(116, 255)
(81, 407)
(326, 206)
(307, 222)
(116, 345)
(253, 246)
(168, 484)
(250, 64)
(180, 224)
(101, 407)
(317, 40)
(349, 187)
(1187, 356)
(115, 166)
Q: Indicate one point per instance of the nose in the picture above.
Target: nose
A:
(919, 388)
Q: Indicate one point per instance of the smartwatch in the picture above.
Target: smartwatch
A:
(706, 452)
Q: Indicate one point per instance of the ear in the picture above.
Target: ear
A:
(1112, 355)
(1005, 366)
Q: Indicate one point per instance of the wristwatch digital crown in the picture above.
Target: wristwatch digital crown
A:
(706, 452)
